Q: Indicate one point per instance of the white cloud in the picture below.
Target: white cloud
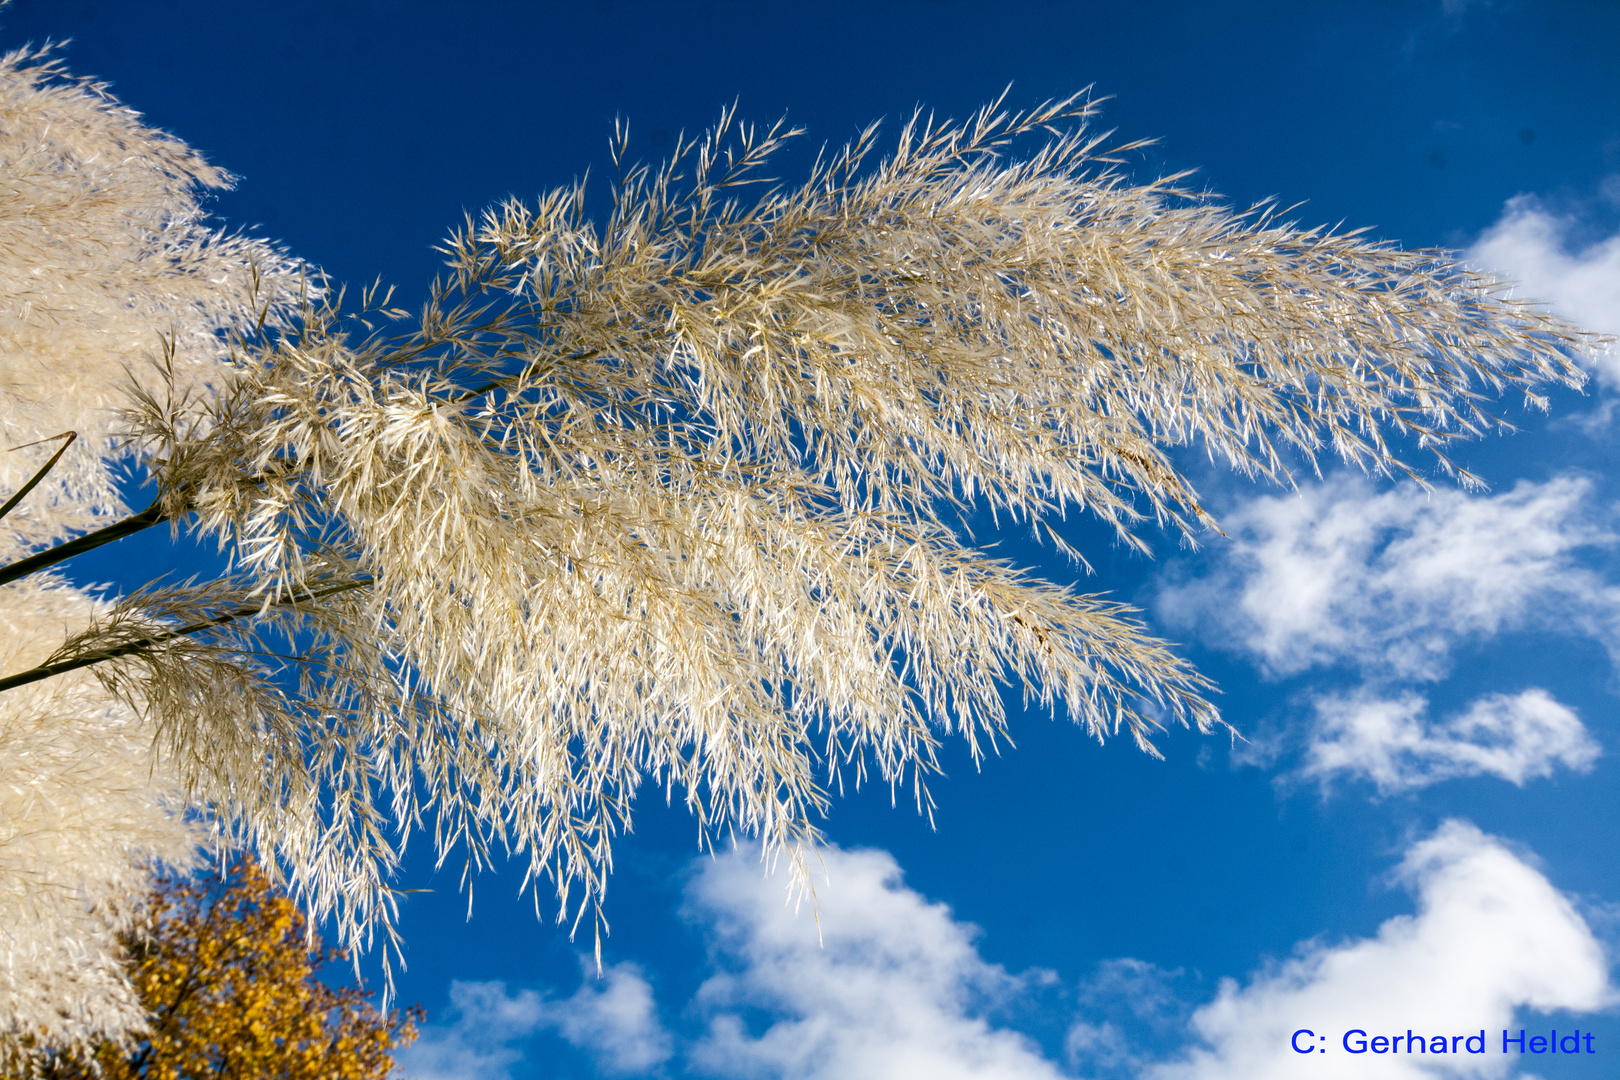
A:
(477, 1043)
(614, 1019)
(1491, 936)
(888, 986)
(1391, 742)
(1530, 246)
(1391, 580)
(895, 990)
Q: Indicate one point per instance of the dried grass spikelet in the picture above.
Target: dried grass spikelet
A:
(666, 500)
(85, 810)
(105, 266)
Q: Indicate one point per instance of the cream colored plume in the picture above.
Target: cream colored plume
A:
(107, 272)
(109, 281)
(84, 810)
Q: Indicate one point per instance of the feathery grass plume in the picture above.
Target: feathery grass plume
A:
(668, 500)
(85, 808)
(108, 273)
(109, 281)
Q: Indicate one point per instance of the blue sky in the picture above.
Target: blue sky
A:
(1419, 831)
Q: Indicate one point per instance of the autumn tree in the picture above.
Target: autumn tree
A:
(223, 966)
(676, 497)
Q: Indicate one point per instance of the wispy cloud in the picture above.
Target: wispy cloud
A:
(1125, 1010)
(613, 1019)
(1392, 742)
(1491, 936)
(1532, 246)
(1343, 574)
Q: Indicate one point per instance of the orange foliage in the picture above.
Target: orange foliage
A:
(225, 969)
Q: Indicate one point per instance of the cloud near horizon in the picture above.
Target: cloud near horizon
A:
(898, 989)
(891, 988)
(1491, 937)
